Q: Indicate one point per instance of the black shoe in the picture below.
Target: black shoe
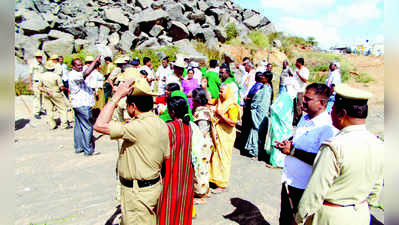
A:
(37, 116)
(68, 127)
(43, 113)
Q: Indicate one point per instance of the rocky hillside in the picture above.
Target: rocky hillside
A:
(66, 26)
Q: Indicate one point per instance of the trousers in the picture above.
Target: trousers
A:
(58, 101)
(37, 99)
(286, 212)
(83, 130)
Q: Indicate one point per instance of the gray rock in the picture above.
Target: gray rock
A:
(40, 37)
(197, 16)
(51, 19)
(186, 48)
(24, 4)
(56, 34)
(116, 15)
(26, 46)
(92, 33)
(202, 6)
(247, 14)
(268, 29)
(151, 43)
(256, 21)
(208, 34)
(63, 46)
(212, 43)
(165, 40)
(156, 31)
(102, 49)
(127, 40)
(137, 9)
(32, 22)
(215, 3)
(113, 38)
(104, 31)
(44, 5)
(150, 15)
(229, 5)
(210, 20)
(220, 34)
(217, 13)
(177, 30)
(143, 3)
(189, 5)
(175, 12)
(194, 29)
(134, 27)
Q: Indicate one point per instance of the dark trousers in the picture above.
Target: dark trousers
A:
(83, 130)
(297, 108)
(66, 85)
(107, 92)
(286, 212)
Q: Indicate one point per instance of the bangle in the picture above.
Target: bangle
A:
(292, 151)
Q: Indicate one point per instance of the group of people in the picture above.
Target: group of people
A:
(191, 115)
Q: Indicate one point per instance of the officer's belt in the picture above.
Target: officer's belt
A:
(141, 183)
(325, 202)
(36, 80)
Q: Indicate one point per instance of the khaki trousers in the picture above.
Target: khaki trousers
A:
(37, 98)
(58, 101)
(138, 204)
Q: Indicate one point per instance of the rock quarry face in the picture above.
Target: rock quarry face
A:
(107, 26)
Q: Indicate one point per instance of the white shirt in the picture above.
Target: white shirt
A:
(334, 77)
(64, 72)
(149, 71)
(300, 85)
(197, 75)
(162, 74)
(309, 135)
(95, 80)
(81, 93)
(173, 79)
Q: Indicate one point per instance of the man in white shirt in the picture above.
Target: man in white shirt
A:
(64, 74)
(147, 66)
(247, 81)
(314, 128)
(163, 72)
(301, 77)
(333, 79)
(197, 72)
(82, 100)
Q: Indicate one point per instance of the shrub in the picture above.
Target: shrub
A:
(363, 78)
(231, 31)
(21, 87)
(210, 53)
(259, 39)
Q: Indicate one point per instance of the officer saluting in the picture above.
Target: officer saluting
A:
(348, 172)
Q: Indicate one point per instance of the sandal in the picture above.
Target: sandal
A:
(199, 201)
(218, 190)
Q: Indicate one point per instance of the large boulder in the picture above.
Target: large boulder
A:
(248, 14)
(151, 43)
(256, 21)
(175, 12)
(194, 29)
(76, 27)
(143, 3)
(26, 46)
(202, 5)
(81, 44)
(44, 5)
(113, 39)
(56, 34)
(32, 22)
(268, 29)
(177, 30)
(127, 40)
(216, 3)
(157, 4)
(189, 5)
(217, 13)
(165, 40)
(210, 20)
(92, 33)
(156, 31)
(116, 15)
(197, 16)
(63, 46)
(186, 48)
(103, 34)
(149, 17)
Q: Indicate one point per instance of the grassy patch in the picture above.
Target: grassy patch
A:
(363, 78)
(259, 39)
(210, 53)
(21, 87)
(231, 31)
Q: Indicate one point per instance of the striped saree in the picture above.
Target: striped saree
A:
(175, 204)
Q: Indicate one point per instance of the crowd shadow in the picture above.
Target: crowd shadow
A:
(21, 123)
(245, 213)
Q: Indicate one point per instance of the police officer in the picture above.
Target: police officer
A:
(348, 172)
(52, 87)
(36, 69)
(145, 146)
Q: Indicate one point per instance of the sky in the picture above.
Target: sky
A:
(330, 22)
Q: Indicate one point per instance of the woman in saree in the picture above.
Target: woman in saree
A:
(226, 116)
(175, 205)
(259, 106)
(202, 118)
(188, 85)
(173, 90)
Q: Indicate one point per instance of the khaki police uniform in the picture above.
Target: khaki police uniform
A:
(347, 177)
(52, 82)
(35, 70)
(145, 145)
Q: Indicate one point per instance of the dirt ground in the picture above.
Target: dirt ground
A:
(56, 186)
